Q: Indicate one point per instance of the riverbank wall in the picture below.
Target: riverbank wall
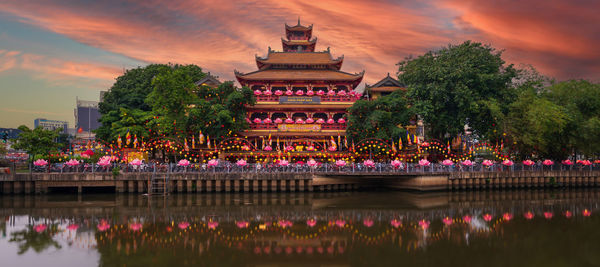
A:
(206, 182)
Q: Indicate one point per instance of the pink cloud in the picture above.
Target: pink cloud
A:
(374, 35)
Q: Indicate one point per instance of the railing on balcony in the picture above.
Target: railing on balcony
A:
(273, 126)
(325, 98)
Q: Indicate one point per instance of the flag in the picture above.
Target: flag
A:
(262, 139)
(270, 141)
(353, 149)
(448, 145)
(502, 145)
(416, 141)
(399, 143)
(408, 138)
(119, 141)
(128, 138)
(200, 138)
(208, 141)
(393, 146)
(185, 144)
(135, 141)
(346, 141)
(278, 143)
(333, 144)
(339, 141)
(193, 142)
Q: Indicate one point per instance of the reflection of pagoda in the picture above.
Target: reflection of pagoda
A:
(302, 95)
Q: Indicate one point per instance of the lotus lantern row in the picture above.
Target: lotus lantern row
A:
(297, 121)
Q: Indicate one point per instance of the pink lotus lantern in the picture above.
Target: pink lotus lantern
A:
(289, 148)
(40, 228)
(72, 227)
(341, 120)
(310, 120)
(213, 162)
(331, 93)
(278, 121)
(284, 163)
(368, 222)
(487, 217)
(72, 163)
(340, 223)
(242, 224)
(299, 92)
(507, 162)
(320, 121)
(136, 162)
(278, 92)
(396, 164)
(447, 221)
(285, 223)
(267, 120)
(528, 215)
(300, 121)
(567, 162)
(424, 224)
(568, 214)
(310, 148)
(352, 93)
(340, 163)
(424, 163)
(332, 148)
(104, 161)
(586, 213)
(248, 120)
(212, 224)
(467, 163)
(447, 162)
(507, 216)
(103, 226)
(330, 121)
(341, 93)
(548, 215)
(467, 218)
(487, 163)
(183, 163)
(268, 148)
(311, 163)
(289, 92)
(320, 92)
(597, 161)
(183, 225)
(40, 163)
(548, 162)
(267, 92)
(288, 120)
(257, 120)
(310, 93)
(586, 162)
(241, 163)
(311, 222)
(257, 92)
(369, 163)
(528, 162)
(135, 226)
(396, 223)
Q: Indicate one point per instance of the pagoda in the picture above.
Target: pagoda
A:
(302, 96)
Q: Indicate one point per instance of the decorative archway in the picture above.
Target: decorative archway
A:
(373, 148)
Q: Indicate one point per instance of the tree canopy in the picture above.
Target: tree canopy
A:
(379, 118)
(459, 85)
(37, 141)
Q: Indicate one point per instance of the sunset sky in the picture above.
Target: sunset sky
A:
(53, 51)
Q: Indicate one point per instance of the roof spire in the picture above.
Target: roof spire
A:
(298, 20)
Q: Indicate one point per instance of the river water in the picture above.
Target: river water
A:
(487, 228)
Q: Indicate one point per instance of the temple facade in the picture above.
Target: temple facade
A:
(302, 96)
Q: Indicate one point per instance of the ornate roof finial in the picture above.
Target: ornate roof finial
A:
(298, 20)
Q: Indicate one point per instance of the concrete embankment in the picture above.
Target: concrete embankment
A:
(162, 183)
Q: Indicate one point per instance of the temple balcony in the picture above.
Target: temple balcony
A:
(274, 126)
(324, 98)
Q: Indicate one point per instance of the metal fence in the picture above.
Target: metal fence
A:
(228, 167)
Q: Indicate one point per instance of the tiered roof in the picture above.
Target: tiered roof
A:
(301, 65)
(387, 84)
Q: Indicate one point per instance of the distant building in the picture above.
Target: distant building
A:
(51, 124)
(210, 81)
(383, 87)
(87, 118)
(9, 133)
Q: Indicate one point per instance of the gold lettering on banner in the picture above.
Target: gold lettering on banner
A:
(299, 100)
(299, 127)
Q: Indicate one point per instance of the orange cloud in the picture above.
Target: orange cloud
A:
(373, 35)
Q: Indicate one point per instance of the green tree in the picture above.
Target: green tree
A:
(379, 118)
(130, 92)
(458, 85)
(37, 141)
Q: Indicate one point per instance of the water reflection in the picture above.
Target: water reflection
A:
(377, 228)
